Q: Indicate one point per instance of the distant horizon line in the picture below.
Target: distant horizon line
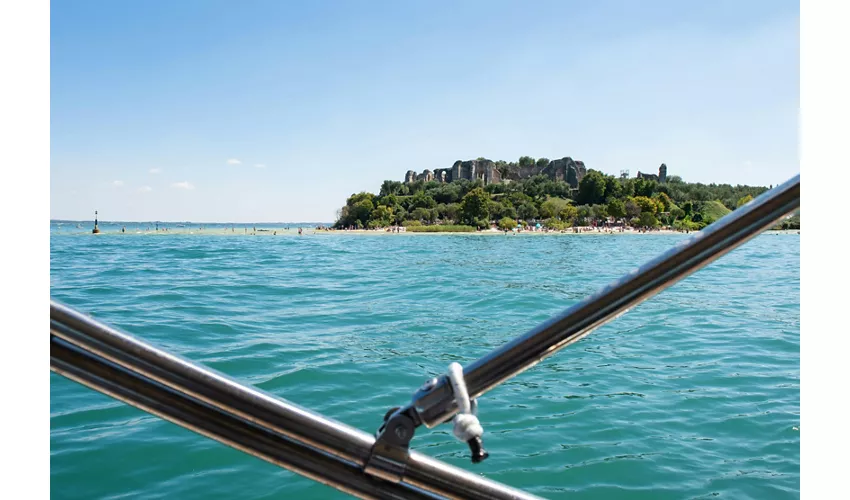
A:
(104, 221)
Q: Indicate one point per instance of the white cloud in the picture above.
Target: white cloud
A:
(183, 185)
(117, 183)
(233, 161)
(145, 189)
(260, 165)
(747, 164)
(155, 170)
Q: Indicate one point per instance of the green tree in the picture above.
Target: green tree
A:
(500, 210)
(451, 213)
(447, 193)
(481, 223)
(616, 208)
(518, 198)
(422, 200)
(506, 223)
(421, 214)
(535, 187)
(527, 211)
(583, 216)
(568, 214)
(415, 187)
(677, 213)
(632, 208)
(627, 187)
(647, 205)
(599, 213)
(358, 197)
(362, 210)
(644, 187)
(389, 200)
(555, 224)
(613, 187)
(662, 201)
(400, 215)
(474, 206)
(382, 215)
(648, 220)
(591, 189)
(542, 162)
(552, 207)
(744, 200)
(392, 187)
(526, 161)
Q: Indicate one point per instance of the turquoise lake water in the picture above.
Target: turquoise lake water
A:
(693, 394)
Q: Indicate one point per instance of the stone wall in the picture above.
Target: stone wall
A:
(661, 177)
(564, 169)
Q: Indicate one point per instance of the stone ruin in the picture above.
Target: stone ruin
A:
(565, 169)
(661, 177)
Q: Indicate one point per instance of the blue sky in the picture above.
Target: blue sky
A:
(154, 102)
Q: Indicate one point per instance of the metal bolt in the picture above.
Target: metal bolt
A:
(401, 432)
(429, 384)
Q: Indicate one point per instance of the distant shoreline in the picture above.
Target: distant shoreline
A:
(282, 232)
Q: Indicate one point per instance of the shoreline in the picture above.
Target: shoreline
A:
(293, 232)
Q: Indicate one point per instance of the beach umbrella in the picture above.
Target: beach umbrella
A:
(538, 224)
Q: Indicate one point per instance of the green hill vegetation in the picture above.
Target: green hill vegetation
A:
(711, 211)
(599, 199)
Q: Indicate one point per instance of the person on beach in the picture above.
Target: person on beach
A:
(299, 231)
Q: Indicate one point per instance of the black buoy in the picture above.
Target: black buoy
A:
(95, 230)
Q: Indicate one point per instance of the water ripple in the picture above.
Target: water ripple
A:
(694, 394)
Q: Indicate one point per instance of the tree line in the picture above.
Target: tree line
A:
(599, 198)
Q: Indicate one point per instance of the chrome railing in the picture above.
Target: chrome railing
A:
(341, 456)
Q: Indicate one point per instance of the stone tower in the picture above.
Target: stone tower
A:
(662, 173)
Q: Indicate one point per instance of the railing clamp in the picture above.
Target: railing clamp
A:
(388, 459)
(390, 453)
